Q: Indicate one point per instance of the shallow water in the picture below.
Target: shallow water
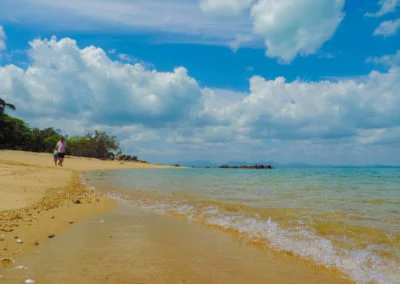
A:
(345, 219)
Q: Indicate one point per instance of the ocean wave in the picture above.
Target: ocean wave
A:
(363, 266)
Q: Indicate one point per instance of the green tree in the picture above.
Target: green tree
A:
(4, 106)
(103, 145)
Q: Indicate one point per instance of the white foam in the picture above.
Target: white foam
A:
(363, 266)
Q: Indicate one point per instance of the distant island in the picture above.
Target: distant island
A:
(246, 167)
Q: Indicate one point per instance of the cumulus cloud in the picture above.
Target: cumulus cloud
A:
(224, 6)
(386, 6)
(66, 81)
(330, 110)
(76, 88)
(388, 28)
(296, 27)
(289, 28)
(2, 39)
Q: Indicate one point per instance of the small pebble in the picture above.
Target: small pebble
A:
(51, 236)
(101, 221)
(77, 201)
(3, 236)
(19, 241)
(52, 217)
(30, 281)
(20, 267)
(36, 243)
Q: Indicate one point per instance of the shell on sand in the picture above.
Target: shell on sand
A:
(6, 261)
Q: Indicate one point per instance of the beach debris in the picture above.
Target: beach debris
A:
(20, 241)
(71, 222)
(7, 261)
(36, 243)
(21, 267)
(101, 221)
(51, 236)
(52, 217)
(3, 236)
(30, 281)
(77, 201)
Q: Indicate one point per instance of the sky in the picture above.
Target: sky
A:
(311, 81)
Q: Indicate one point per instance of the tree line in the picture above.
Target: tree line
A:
(15, 134)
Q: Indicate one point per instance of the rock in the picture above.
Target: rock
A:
(71, 222)
(51, 236)
(6, 261)
(52, 217)
(77, 201)
(36, 243)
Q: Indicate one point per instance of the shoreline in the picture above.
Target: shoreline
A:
(38, 200)
(56, 222)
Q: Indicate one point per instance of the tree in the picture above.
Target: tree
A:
(103, 144)
(4, 106)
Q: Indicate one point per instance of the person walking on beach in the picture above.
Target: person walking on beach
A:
(61, 147)
(55, 156)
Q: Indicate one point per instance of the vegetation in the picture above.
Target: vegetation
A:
(15, 134)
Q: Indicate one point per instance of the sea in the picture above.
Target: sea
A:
(343, 219)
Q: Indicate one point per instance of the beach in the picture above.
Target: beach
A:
(38, 199)
(62, 223)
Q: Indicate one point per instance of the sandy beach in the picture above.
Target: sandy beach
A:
(38, 199)
(49, 221)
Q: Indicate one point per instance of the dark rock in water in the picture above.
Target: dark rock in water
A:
(247, 167)
(224, 167)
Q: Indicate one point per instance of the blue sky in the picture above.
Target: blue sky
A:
(312, 81)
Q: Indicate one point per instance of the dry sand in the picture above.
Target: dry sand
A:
(37, 199)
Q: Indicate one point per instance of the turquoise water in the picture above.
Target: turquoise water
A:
(342, 218)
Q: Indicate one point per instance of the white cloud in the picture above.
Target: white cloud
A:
(75, 89)
(296, 27)
(386, 60)
(287, 27)
(386, 6)
(388, 28)
(2, 39)
(183, 19)
(224, 6)
(306, 110)
(67, 81)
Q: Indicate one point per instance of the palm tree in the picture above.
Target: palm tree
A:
(4, 105)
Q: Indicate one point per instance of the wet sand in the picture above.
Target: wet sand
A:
(133, 246)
